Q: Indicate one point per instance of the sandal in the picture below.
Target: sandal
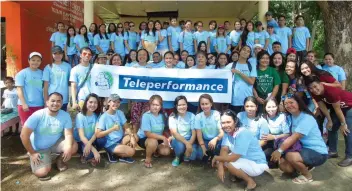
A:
(302, 180)
(44, 178)
(93, 162)
(61, 166)
(83, 160)
(148, 164)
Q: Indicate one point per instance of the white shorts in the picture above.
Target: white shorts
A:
(249, 167)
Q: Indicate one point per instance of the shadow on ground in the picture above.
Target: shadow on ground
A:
(16, 175)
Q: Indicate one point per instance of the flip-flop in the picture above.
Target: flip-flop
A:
(148, 164)
(301, 180)
(44, 178)
(61, 166)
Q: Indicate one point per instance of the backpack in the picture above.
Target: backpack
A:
(249, 66)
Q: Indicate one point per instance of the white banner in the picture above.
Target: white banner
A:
(142, 83)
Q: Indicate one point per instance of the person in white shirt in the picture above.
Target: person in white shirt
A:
(11, 97)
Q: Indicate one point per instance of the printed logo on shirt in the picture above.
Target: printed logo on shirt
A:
(51, 128)
(264, 82)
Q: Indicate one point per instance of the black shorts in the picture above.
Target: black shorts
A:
(141, 142)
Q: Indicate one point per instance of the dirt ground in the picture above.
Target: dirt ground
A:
(16, 175)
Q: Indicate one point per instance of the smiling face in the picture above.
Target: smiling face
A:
(245, 52)
(305, 70)
(290, 68)
(277, 60)
(211, 59)
(250, 108)
(228, 124)
(234, 57)
(155, 106)
(142, 56)
(291, 105)
(181, 106)
(34, 62)
(168, 59)
(329, 60)
(92, 104)
(114, 105)
(157, 26)
(116, 61)
(264, 60)
(54, 103)
(190, 62)
(222, 60)
(156, 58)
(316, 88)
(205, 105)
(271, 108)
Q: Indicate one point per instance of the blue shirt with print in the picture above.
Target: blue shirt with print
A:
(284, 33)
(32, 86)
(59, 39)
(209, 125)
(183, 125)
(151, 123)
(174, 33)
(119, 45)
(300, 36)
(107, 121)
(258, 126)
(186, 38)
(87, 123)
(103, 42)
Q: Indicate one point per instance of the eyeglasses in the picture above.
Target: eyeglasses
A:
(86, 54)
(131, 25)
(287, 96)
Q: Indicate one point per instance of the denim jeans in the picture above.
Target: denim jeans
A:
(210, 153)
(333, 133)
(73, 60)
(180, 149)
(95, 144)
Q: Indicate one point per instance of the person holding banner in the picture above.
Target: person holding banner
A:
(112, 126)
(168, 61)
(244, 74)
(151, 132)
(208, 128)
(131, 58)
(181, 124)
(79, 78)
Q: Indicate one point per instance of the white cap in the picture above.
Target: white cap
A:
(257, 45)
(35, 54)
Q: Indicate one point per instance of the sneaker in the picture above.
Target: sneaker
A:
(126, 160)
(186, 159)
(111, 157)
(176, 162)
(333, 155)
(346, 162)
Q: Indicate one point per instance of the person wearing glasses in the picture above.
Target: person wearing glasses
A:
(80, 82)
(131, 39)
(117, 41)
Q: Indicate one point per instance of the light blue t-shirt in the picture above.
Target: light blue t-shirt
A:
(201, 36)
(262, 36)
(187, 39)
(174, 33)
(336, 71)
(273, 23)
(243, 143)
(306, 125)
(208, 125)
(212, 35)
(131, 64)
(300, 36)
(278, 125)
(151, 123)
(163, 44)
(180, 65)
(132, 39)
(91, 42)
(32, 86)
(183, 125)
(235, 37)
(103, 42)
(81, 42)
(119, 45)
(284, 33)
(71, 48)
(57, 75)
(206, 67)
(47, 130)
(251, 40)
(59, 39)
(156, 65)
(78, 74)
(150, 37)
(222, 43)
(87, 123)
(241, 89)
(258, 127)
(272, 38)
(107, 121)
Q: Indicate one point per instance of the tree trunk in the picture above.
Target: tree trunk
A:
(314, 29)
(337, 17)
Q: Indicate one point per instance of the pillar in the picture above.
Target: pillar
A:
(88, 12)
(263, 7)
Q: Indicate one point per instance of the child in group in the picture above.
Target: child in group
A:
(112, 126)
(56, 76)
(151, 132)
(30, 87)
(208, 128)
(70, 47)
(11, 98)
(88, 146)
(10, 94)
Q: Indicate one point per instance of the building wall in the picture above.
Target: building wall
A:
(29, 26)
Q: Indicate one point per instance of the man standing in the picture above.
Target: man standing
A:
(48, 131)
(284, 33)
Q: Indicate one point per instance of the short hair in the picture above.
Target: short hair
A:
(148, 57)
(85, 48)
(299, 16)
(8, 78)
(329, 53)
(282, 16)
(55, 93)
(173, 18)
(226, 22)
(276, 43)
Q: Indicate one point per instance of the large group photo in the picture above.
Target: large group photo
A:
(177, 103)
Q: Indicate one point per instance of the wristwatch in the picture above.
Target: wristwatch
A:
(280, 150)
(343, 124)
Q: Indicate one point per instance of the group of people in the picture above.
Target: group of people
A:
(281, 97)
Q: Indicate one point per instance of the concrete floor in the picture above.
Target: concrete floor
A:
(16, 175)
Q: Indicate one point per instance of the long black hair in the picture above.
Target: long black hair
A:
(314, 70)
(217, 64)
(122, 32)
(302, 106)
(265, 113)
(129, 60)
(109, 31)
(177, 99)
(245, 33)
(200, 44)
(68, 40)
(260, 55)
(282, 66)
(147, 30)
(84, 109)
(253, 100)
(233, 115)
(85, 35)
(96, 29)
(105, 35)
